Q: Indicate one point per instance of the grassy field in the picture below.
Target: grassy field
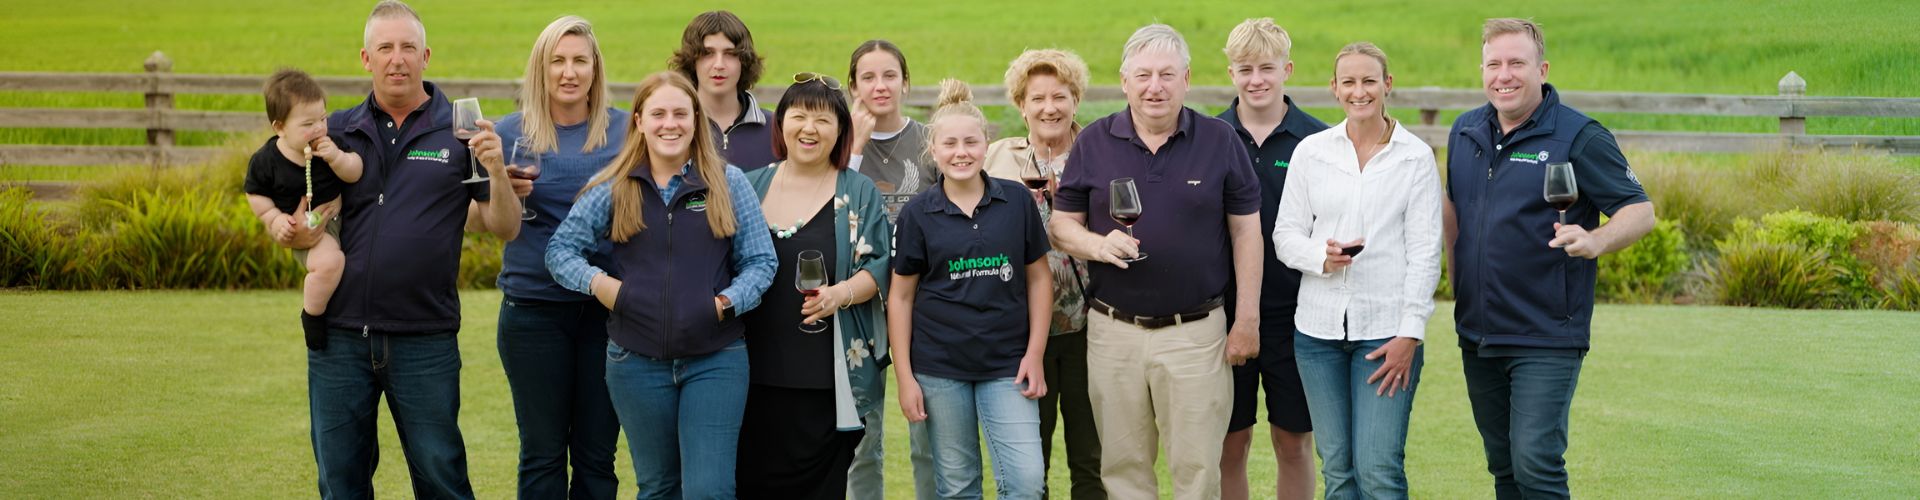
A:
(201, 394)
(1716, 46)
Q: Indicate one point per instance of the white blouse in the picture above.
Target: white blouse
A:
(1395, 204)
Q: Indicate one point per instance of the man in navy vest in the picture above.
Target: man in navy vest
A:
(394, 317)
(1523, 282)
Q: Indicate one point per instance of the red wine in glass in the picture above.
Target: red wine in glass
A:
(524, 163)
(1352, 250)
(1559, 188)
(1035, 183)
(1124, 206)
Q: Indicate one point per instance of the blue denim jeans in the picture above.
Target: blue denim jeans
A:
(1361, 436)
(682, 418)
(554, 354)
(864, 478)
(420, 376)
(956, 412)
(1521, 405)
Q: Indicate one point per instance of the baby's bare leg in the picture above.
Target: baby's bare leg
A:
(324, 264)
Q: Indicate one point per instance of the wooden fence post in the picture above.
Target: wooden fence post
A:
(1793, 123)
(159, 102)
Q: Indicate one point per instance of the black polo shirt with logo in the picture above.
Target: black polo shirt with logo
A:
(1280, 285)
(970, 311)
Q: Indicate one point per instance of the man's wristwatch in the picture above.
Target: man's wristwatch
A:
(726, 308)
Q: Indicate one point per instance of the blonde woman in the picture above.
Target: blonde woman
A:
(969, 311)
(1047, 85)
(1360, 219)
(690, 251)
(552, 340)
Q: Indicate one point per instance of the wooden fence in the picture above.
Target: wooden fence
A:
(161, 120)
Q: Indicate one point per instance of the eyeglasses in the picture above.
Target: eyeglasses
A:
(809, 76)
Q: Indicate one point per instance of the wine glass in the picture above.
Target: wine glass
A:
(525, 164)
(1124, 207)
(1034, 176)
(466, 115)
(809, 276)
(1560, 190)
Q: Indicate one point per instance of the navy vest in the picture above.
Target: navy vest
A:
(669, 274)
(402, 224)
(1511, 289)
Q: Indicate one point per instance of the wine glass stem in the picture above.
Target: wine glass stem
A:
(1563, 217)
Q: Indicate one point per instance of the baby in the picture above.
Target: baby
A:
(295, 178)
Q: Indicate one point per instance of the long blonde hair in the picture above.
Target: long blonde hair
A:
(634, 156)
(536, 120)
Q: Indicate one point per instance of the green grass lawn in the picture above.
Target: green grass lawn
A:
(1848, 47)
(201, 394)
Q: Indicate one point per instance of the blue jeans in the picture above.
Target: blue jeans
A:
(956, 412)
(682, 418)
(1520, 405)
(864, 478)
(420, 375)
(1361, 436)
(554, 357)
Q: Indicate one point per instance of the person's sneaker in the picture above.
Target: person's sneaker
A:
(316, 329)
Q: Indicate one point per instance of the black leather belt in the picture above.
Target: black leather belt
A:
(1157, 322)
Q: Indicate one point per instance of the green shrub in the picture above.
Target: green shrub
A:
(1902, 291)
(480, 260)
(1746, 266)
(1854, 187)
(1645, 272)
(1771, 274)
(199, 239)
(182, 227)
(1702, 199)
(28, 239)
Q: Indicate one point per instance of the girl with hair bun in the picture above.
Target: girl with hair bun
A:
(972, 299)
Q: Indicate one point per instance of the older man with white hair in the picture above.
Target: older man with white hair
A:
(1159, 342)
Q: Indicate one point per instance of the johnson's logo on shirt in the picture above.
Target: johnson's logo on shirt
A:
(1529, 158)
(1280, 163)
(980, 267)
(439, 156)
(697, 203)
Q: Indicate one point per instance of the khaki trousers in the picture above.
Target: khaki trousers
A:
(1170, 385)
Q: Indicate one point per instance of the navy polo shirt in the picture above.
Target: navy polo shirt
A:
(403, 223)
(1187, 190)
(970, 312)
(1280, 286)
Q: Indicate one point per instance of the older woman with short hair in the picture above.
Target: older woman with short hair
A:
(1047, 86)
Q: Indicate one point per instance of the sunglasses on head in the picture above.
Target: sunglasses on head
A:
(809, 76)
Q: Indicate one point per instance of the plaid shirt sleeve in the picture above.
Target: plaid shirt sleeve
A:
(577, 236)
(753, 259)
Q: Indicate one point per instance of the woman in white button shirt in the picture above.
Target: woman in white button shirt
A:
(1365, 184)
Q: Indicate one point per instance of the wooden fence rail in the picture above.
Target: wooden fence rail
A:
(160, 119)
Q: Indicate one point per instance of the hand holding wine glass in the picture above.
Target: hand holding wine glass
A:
(1124, 207)
(524, 164)
(466, 125)
(810, 277)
